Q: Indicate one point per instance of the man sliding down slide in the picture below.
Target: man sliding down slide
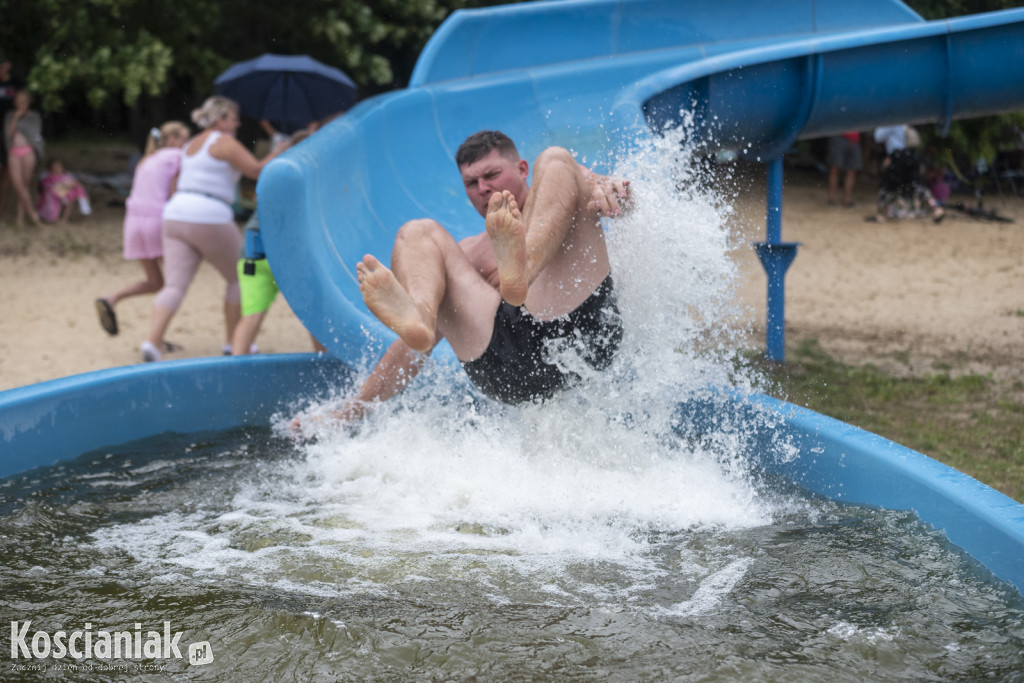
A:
(538, 276)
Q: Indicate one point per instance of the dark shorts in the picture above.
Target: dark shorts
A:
(844, 153)
(515, 368)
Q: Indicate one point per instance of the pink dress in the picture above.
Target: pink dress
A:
(55, 191)
(151, 187)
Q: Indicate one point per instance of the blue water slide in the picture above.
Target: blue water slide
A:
(42, 424)
(594, 76)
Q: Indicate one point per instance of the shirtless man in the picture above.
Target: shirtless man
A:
(539, 272)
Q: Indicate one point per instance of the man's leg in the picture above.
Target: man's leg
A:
(553, 255)
(833, 184)
(850, 181)
(432, 290)
(245, 333)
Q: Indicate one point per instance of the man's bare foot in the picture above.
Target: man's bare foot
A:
(388, 300)
(508, 238)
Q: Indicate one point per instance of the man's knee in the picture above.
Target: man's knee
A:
(418, 230)
(556, 166)
(554, 156)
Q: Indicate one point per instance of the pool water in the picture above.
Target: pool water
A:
(595, 537)
(275, 557)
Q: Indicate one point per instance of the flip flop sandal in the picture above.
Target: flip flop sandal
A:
(108, 319)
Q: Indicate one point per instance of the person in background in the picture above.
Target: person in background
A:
(198, 220)
(152, 186)
(58, 192)
(844, 157)
(256, 282)
(275, 136)
(23, 132)
(9, 85)
(902, 192)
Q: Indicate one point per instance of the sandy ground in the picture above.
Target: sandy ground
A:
(910, 296)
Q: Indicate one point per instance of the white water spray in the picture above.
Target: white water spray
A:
(439, 482)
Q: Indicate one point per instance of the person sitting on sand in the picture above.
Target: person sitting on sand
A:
(58, 192)
(539, 275)
(902, 192)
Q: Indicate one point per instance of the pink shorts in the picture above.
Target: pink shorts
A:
(21, 150)
(143, 236)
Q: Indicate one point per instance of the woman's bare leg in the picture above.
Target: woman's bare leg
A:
(21, 169)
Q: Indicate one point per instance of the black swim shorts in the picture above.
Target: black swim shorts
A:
(515, 367)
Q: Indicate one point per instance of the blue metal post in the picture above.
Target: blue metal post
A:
(776, 257)
(773, 217)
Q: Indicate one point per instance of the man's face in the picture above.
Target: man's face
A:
(494, 173)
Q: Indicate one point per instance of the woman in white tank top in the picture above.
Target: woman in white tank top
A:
(198, 220)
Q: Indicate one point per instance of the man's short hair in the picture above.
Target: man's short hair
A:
(478, 145)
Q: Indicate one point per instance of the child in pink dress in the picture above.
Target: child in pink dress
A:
(152, 185)
(58, 192)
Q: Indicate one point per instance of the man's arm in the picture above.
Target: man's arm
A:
(478, 250)
(394, 371)
(229, 149)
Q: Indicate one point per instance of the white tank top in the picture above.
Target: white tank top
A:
(206, 188)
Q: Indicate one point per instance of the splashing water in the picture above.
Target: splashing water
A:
(589, 475)
(450, 537)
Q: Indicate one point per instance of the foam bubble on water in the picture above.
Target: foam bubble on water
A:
(868, 634)
(551, 479)
(711, 590)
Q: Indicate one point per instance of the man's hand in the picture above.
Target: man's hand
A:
(303, 428)
(611, 196)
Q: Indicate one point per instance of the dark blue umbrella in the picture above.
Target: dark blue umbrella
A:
(290, 91)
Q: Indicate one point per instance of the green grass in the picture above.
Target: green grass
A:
(966, 422)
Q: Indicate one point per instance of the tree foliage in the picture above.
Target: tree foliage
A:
(946, 9)
(110, 53)
(109, 50)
